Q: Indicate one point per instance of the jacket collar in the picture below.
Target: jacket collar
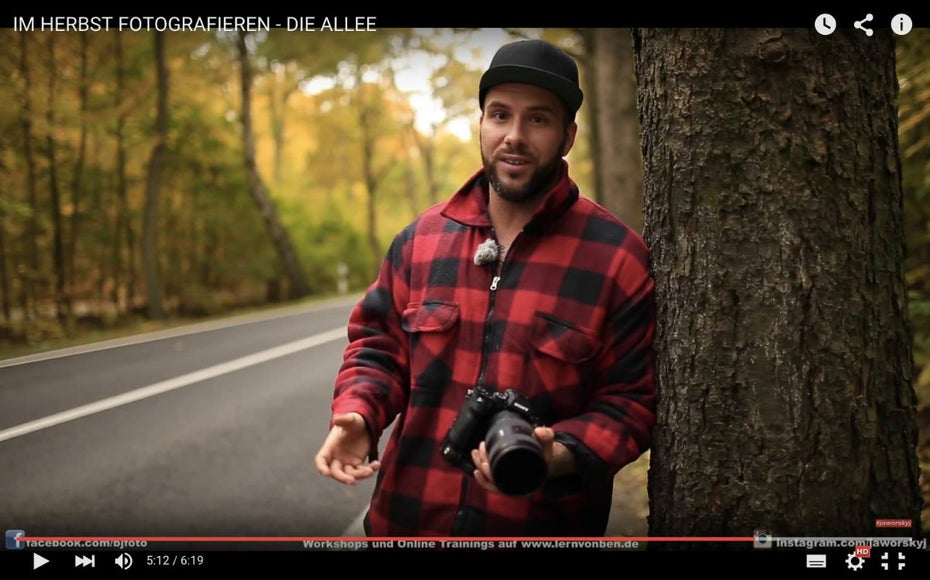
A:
(469, 205)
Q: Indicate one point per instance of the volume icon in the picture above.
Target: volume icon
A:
(124, 561)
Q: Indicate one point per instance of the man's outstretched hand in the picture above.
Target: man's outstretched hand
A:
(343, 454)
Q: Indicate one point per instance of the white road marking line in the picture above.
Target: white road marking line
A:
(175, 383)
(357, 528)
(179, 331)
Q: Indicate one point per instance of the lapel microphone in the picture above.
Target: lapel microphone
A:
(487, 252)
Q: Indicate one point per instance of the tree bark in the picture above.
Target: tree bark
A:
(618, 168)
(773, 209)
(156, 306)
(298, 286)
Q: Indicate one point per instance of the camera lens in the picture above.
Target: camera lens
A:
(516, 458)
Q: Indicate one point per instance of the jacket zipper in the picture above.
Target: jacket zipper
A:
(486, 338)
(458, 521)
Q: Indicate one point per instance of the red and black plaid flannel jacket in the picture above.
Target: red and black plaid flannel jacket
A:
(570, 325)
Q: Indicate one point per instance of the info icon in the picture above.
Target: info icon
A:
(761, 539)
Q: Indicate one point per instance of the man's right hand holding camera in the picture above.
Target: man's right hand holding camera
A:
(559, 459)
(343, 454)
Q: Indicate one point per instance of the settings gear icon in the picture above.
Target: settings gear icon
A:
(854, 562)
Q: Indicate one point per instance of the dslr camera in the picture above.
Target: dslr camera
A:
(505, 422)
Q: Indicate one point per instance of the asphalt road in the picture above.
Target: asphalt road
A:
(208, 430)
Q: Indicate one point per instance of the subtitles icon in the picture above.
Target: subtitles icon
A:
(12, 539)
(816, 560)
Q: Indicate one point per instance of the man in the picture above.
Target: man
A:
(518, 283)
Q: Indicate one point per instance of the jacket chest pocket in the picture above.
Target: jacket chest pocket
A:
(432, 327)
(558, 366)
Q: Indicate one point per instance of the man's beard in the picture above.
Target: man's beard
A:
(540, 182)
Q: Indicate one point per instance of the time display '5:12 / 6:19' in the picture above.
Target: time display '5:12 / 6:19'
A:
(171, 560)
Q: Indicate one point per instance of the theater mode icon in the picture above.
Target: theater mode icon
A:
(13, 539)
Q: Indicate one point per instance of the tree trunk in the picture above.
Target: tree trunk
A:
(123, 221)
(99, 199)
(773, 209)
(426, 145)
(367, 117)
(122, 211)
(298, 281)
(411, 189)
(156, 307)
(277, 110)
(29, 291)
(618, 172)
(76, 181)
(6, 303)
(62, 303)
(371, 183)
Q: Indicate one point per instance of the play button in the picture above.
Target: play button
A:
(38, 561)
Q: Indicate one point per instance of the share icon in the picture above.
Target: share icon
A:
(860, 24)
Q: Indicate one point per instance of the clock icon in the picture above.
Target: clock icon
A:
(825, 24)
